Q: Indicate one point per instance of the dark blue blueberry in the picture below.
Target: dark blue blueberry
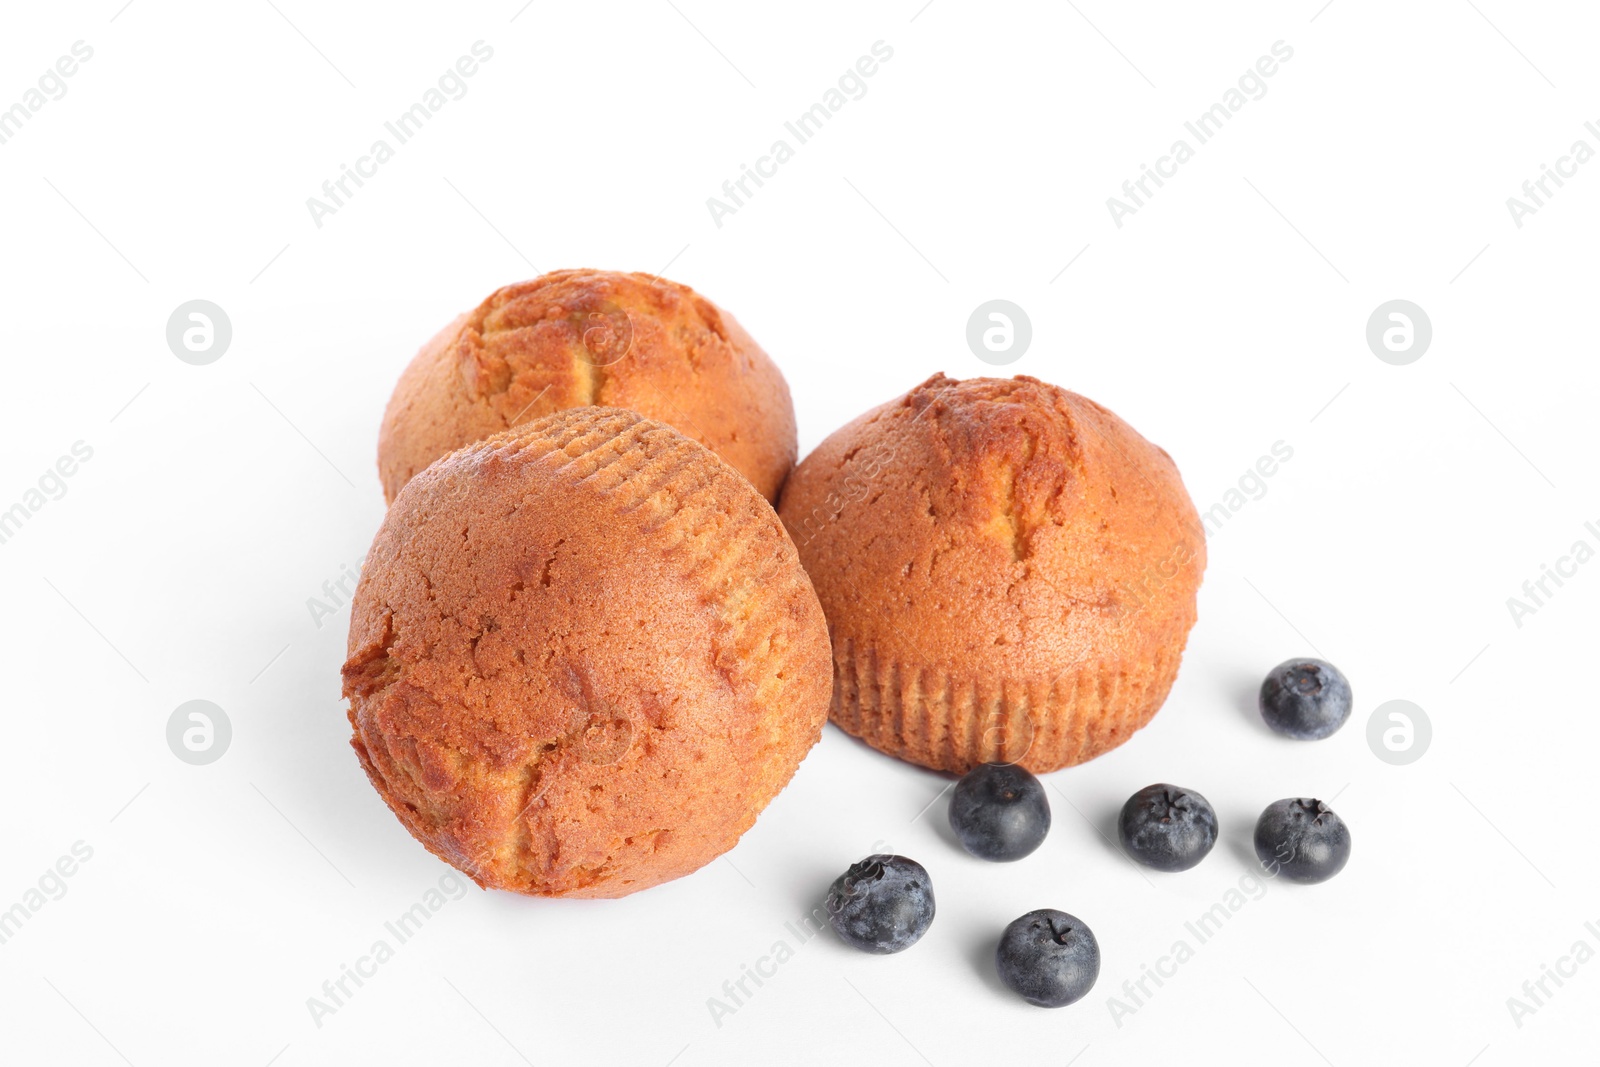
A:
(1302, 840)
(1168, 828)
(882, 904)
(999, 811)
(1306, 699)
(1048, 957)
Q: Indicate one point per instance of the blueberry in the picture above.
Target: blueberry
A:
(1168, 828)
(999, 811)
(1302, 840)
(882, 904)
(1306, 699)
(1048, 957)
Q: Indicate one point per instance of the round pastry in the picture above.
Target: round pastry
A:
(579, 338)
(1008, 569)
(583, 656)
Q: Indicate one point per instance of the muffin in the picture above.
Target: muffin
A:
(1008, 570)
(583, 656)
(580, 338)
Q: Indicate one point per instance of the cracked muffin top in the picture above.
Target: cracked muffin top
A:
(583, 656)
(1008, 569)
(579, 338)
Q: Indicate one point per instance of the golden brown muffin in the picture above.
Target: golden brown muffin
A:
(1008, 569)
(576, 338)
(583, 656)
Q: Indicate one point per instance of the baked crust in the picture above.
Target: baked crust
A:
(583, 656)
(576, 338)
(1008, 569)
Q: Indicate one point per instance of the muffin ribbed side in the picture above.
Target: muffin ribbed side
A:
(952, 723)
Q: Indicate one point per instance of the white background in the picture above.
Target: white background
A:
(1226, 315)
